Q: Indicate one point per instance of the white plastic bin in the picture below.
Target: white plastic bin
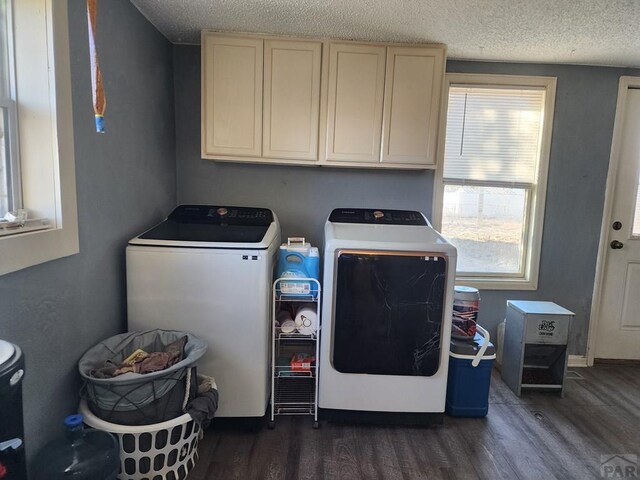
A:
(166, 450)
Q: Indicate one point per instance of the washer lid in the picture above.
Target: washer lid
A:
(212, 224)
(6, 352)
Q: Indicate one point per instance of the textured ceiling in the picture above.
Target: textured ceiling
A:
(592, 32)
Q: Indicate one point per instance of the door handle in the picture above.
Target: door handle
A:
(616, 245)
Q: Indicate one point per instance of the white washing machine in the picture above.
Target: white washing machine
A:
(208, 270)
(388, 295)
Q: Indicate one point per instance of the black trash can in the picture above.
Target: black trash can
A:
(12, 456)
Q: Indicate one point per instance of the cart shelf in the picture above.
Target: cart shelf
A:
(288, 372)
(295, 336)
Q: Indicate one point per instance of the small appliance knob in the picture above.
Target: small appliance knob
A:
(222, 211)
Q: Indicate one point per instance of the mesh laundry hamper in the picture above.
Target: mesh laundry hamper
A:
(134, 399)
(164, 451)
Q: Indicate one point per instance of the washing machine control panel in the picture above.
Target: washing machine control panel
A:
(213, 214)
(377, 216)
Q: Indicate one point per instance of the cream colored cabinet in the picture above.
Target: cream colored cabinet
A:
(413, 86)
(354, 105)
(238, 73)
(291, 99)
(232, 96)
(311, 102)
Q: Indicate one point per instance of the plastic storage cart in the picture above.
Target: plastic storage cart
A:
(535, 346)
(470, 364)
(295, 348)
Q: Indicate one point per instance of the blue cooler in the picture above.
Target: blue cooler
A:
(470, 363)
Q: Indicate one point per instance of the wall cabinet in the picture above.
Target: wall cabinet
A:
(354, 108)
(413, 88)
(294, 101)
(236, 124)
(291, 99)
(232, 96)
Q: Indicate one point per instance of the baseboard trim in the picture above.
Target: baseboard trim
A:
(577, 361)
(613, 361)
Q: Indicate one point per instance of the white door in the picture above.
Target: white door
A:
(618, 327)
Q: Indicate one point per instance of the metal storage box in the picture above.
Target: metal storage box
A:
(535, 346)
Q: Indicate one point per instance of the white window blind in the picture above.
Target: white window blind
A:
(493, 134)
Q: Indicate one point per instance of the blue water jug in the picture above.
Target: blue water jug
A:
(81, 455)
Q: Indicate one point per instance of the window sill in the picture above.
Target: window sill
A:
(488, 283)
(15, 228)
(32, 248)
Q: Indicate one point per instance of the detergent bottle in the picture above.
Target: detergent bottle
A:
(298, 260)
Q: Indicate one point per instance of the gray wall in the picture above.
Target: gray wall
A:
(125, 181)
(303, 197)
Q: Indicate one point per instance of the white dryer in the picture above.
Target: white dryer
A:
(208, 270)
(388, 294)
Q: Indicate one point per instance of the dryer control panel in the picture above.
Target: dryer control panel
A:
(377, 216)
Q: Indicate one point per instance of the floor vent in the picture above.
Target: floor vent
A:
(573, 375)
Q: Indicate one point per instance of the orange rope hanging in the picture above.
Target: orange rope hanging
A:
(97, 87)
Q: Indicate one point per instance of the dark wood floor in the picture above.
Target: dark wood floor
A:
(537, 436)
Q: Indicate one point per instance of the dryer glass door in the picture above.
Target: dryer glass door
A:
(388, 312)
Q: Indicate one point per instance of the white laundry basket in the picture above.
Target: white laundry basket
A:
(162, 451)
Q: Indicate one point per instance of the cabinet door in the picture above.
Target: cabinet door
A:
(291, 99)
(354, 114)
(411, 105)
(232, 96)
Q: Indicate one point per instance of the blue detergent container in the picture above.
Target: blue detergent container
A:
(470, 364)
(298, 260)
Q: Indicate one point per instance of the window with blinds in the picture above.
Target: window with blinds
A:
(494, 138)
(493, 134)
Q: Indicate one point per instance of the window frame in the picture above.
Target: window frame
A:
(11, 141)
(9, 104)
(45, 120)
(535, 201)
